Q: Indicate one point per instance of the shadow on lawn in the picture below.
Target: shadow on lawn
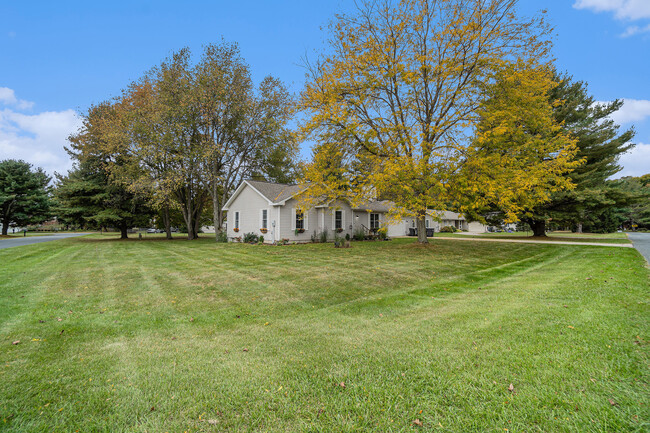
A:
(135, 239)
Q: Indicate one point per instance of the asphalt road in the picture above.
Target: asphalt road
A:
(641, 242)
(27, 240)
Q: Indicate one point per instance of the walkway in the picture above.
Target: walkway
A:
(27, 240)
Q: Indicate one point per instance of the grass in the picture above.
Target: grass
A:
(610, 238)
(148, 336)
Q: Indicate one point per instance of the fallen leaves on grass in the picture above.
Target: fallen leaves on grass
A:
(16, 342)
(511, 388)
(245, 349)
(342, 385)
(417, 422)
(213, 421)
(612, 402)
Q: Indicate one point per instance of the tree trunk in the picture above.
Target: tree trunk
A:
(538, 227)
(422, 229)
(197, 226)
(579, 228)
(167, 223)
(5, 228)
(123, 231)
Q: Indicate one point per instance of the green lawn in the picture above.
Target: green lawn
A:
(154, 336)
(609, 238)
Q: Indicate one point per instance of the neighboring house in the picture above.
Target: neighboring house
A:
(271, 210)
(447, 218)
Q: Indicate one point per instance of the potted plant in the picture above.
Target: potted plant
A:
(236, 230)
(263, 230)
(339, 230)
(300, 231)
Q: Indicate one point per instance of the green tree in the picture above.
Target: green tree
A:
(92, 194)
(24, 194)
(637, 213)
(599, 147)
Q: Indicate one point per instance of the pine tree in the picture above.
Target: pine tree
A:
(599, 147)
(24, 196)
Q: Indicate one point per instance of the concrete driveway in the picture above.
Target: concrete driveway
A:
(28, 240)
(641, 242)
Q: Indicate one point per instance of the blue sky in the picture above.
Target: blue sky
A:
(57, 58)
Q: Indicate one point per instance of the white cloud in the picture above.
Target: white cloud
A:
(8, 97)
(36, 138)
(635, 30)
(622, 9)
(626, 10)
(635, 162)
(633, 110)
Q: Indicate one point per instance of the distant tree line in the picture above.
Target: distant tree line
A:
(178, 141)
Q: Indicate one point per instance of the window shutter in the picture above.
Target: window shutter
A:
(260, 223)
(293, 218)
(305, 222)
(333, 219)
(342, 219)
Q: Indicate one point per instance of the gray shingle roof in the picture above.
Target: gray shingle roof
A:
(376, 206)
(275, 192)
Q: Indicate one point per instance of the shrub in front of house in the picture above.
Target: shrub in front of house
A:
(448, 229)
(359, 235)
(251, 238)
(324, 236)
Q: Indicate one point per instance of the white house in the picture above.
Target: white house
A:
(436, 220)
(270, 210)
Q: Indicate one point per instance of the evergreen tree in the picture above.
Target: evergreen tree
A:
(91, 194)
(637, 214)
(24, 195)
(599, 147)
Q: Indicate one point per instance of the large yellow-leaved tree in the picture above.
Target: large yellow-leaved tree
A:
(395, 101)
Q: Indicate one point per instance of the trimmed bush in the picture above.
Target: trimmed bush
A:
(251, 238)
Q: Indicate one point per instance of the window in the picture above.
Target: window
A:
(338, 219)
(426, 223)
(265, 219)
(300, 220)
(237, 220)
(374, 221)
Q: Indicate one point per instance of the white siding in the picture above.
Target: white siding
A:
(249, 204)
(476, 227)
